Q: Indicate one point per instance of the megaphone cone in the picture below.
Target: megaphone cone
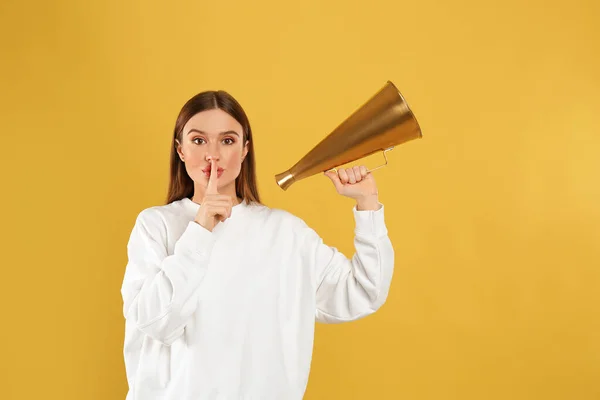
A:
(383, 122)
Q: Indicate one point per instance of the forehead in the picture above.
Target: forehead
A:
(213, 122)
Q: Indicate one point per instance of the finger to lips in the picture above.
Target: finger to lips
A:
(212, 180)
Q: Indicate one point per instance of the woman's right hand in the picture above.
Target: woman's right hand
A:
(214, 207)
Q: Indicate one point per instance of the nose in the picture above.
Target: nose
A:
(212, 154)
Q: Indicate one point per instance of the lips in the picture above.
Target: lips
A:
(208, 169)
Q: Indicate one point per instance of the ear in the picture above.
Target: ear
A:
(178, 149)
(246, 148)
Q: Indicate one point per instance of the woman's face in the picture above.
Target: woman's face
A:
(213, 134)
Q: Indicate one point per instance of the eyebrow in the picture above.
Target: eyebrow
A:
(220, 134)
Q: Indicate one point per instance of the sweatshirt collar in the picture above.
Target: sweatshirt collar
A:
(236, 209)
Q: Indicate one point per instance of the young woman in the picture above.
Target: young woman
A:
(220, 292)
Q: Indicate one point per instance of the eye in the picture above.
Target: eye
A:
(228, 141)
(196, 140)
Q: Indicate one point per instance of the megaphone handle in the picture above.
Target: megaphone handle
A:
(371, 170)
(386, 160)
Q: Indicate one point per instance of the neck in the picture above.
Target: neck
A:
(229, 190)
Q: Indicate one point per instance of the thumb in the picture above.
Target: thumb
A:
(335, 179)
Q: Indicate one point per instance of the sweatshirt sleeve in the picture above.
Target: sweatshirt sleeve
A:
(159, 290)
(350, 289)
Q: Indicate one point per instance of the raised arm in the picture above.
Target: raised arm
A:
(349, 289)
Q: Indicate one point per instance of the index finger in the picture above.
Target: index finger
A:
(211, 188)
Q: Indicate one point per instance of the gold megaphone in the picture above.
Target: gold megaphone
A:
(383, 122)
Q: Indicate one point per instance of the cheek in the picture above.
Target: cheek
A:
(194, 160)
(235, 160)
(193, 157)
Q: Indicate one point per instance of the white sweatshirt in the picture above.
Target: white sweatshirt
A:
(230, 314)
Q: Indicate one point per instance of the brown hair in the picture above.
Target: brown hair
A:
(180, 183)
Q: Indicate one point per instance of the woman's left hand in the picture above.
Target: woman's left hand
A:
(357, 184)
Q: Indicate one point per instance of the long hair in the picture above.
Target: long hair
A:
(180, 183)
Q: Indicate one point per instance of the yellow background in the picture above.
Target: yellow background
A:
(494, 214)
